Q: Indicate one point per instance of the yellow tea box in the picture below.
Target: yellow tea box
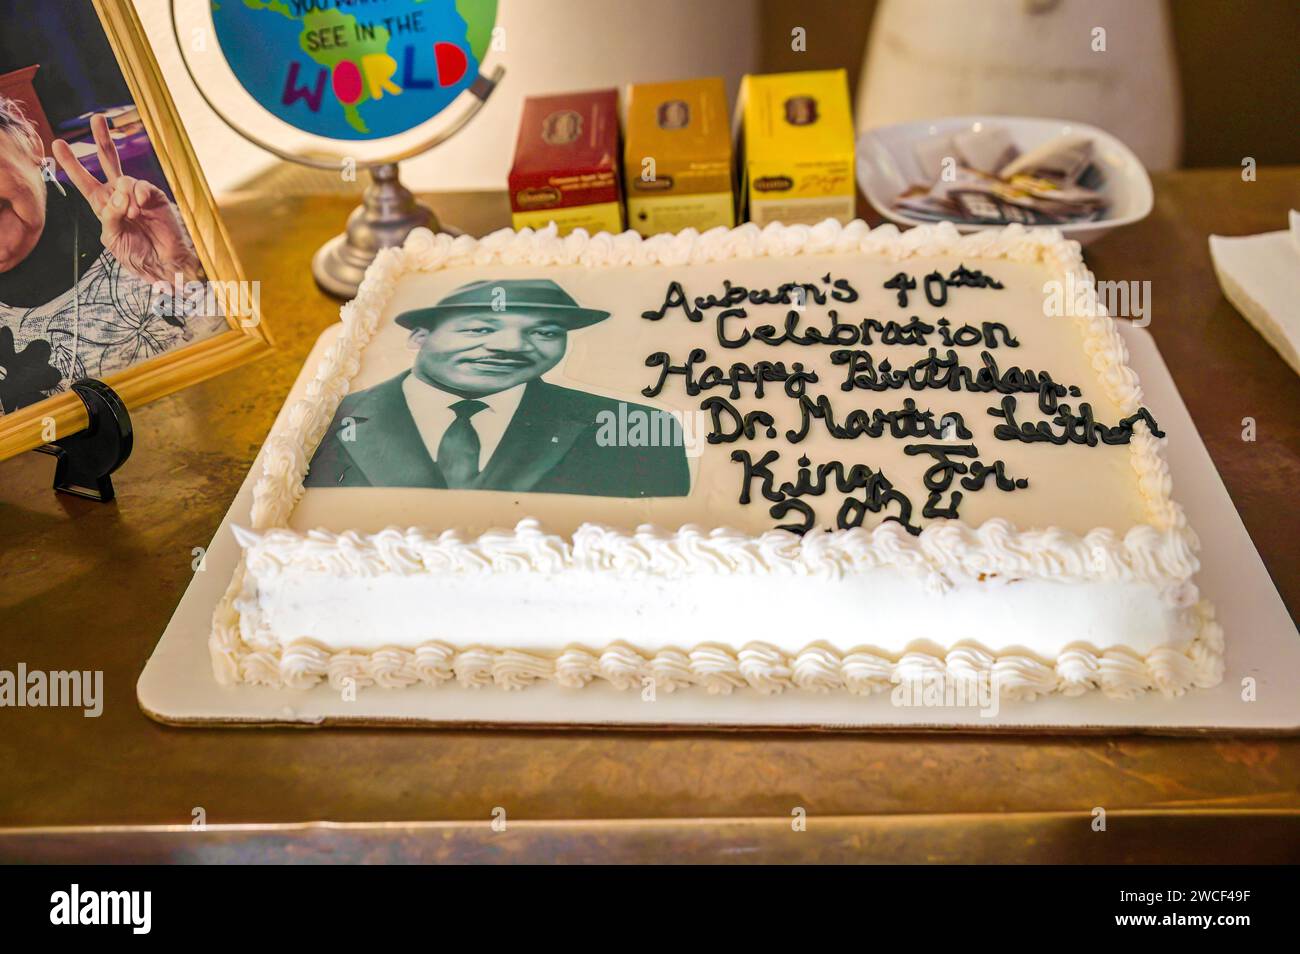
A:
(677, 156)
(796, 147)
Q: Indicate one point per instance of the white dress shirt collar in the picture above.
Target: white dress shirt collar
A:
(430, 407)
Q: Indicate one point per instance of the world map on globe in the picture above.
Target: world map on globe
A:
(354, 69)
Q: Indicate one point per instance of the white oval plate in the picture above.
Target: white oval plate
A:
(886, 165)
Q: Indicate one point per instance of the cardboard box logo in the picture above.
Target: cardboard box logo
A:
(673, 114)
(561, 127)
(801, 110)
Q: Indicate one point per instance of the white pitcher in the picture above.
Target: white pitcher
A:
(1105, 62)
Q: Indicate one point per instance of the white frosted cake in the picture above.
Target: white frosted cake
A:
(793, 458)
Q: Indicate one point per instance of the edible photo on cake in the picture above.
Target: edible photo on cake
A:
(474, 410)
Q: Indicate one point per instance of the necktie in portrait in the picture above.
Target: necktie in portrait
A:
(458, 451)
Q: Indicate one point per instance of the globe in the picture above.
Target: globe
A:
(357, 70)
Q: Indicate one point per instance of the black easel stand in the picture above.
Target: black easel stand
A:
(86, 459)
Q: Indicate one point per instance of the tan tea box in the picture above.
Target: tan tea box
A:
(795, 138)
(677, 156)
(566, 163)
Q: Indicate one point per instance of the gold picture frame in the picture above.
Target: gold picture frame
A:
(246, 338)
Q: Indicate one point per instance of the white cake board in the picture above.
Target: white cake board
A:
(177, 685)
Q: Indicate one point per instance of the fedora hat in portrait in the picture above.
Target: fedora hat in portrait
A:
(539, 297)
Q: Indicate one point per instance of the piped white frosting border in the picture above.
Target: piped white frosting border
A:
(1161, 552)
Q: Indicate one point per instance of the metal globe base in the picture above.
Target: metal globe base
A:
(387, 214)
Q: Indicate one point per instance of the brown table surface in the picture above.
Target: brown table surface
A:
(90, 586)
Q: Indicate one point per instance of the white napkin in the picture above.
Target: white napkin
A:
(1260, 274)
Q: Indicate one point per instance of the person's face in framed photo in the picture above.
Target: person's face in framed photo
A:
(22, 197)
(487, 352)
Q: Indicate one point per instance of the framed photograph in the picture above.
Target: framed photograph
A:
(113, 262)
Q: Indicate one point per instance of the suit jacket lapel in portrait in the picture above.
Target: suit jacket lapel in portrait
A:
(539, 436)
(388, 451)
(388, 448)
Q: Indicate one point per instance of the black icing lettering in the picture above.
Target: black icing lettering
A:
(725, 341)
(778, 511)
(1067, 427)
(759, 472)
(675, 297)
(856, 489)
(728, 424)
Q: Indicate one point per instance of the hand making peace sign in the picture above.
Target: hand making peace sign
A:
(140, 227)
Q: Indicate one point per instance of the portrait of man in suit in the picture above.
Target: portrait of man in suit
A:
(474, 413)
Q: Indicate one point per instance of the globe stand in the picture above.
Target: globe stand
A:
(388, 211)
(387, 214)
